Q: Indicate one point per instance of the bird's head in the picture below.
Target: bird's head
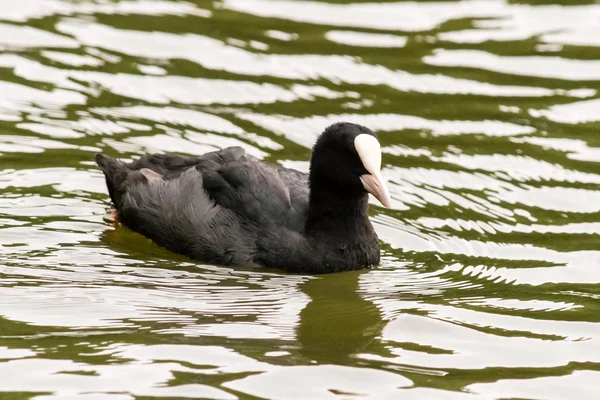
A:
(347, 158)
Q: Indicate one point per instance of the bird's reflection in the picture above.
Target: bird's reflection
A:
(335, 324)
(338, 322)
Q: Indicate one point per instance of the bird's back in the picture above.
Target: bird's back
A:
(212, 207)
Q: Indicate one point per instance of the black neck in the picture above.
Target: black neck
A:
(341, 217)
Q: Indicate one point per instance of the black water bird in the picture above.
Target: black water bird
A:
(228, 208)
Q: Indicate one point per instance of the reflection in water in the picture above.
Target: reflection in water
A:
(320, 382)
(363, 39)
(487, 112)
(543, 67)
(403, 16)
(304, 131)
(214, 54)
(337, 323)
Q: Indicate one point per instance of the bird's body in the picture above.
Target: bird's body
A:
(228, 208)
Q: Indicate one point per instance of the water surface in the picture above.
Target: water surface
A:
(488, 112)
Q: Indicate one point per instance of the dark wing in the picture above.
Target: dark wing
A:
(171, 165)
(250, 189)
(179, 215)
(260, 192)
(119, 175)
(212, 207)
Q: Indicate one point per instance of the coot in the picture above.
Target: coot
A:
(228, 208)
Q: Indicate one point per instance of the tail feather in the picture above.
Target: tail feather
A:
(115, 173)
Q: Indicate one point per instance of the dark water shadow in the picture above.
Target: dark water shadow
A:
(338, 322)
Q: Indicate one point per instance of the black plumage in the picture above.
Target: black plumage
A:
(228, 208)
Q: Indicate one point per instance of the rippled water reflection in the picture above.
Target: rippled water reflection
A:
(488, 113)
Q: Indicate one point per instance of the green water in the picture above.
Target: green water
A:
(488, 113)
